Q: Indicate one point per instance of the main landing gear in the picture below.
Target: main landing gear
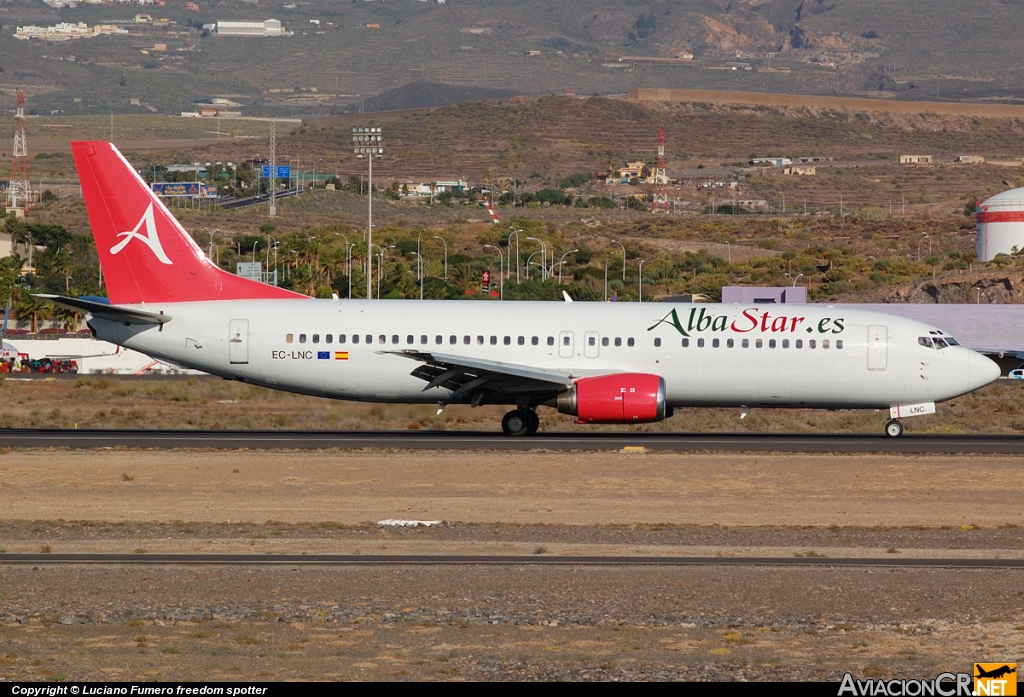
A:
(893, 428)
(520, 422)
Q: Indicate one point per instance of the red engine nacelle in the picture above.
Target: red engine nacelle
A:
(630, 398)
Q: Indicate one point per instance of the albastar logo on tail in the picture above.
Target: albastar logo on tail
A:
(151, 239)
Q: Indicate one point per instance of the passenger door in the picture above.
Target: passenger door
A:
(878, 347)
(238, 341)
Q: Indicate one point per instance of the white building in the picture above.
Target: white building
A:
(1001, 225)
(270, 27)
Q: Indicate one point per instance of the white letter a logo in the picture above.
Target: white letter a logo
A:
(151, 239)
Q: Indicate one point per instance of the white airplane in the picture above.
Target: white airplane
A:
(600, 362)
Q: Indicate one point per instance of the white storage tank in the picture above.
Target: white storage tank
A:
(1001, 224)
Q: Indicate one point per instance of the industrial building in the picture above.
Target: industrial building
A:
(270, 27)
(915, 159)
(1001, 225)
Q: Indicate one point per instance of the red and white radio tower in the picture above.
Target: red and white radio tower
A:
(660, 178)
(18, 191)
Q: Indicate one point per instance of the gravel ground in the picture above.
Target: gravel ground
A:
(515, 622)
(502, 624)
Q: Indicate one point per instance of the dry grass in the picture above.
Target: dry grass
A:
(210, 403)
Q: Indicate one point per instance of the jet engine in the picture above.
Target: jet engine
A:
(620, 398)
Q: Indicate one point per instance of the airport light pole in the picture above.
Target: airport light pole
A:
(641, 298)
(529, 259)
(445, 255)
(794, 279)
(369, 143)
(924, 234)
(419, 262)
(501, 265)
(348, 261)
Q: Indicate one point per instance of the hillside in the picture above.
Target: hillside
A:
(915, 48)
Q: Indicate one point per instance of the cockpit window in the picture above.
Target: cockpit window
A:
(940, 343)
(925, 341)
(951, 341)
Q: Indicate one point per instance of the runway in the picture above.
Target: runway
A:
(489, 440)
(260, 560)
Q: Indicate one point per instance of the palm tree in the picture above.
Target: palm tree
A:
(27, 305)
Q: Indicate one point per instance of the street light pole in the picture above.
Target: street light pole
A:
(623, 259)
(529, 259)
(419, 261)
(516, 233)
(445, 255)
(641, 299)
(369, 142)
(562, 261)
(543, 256)
(501, 277)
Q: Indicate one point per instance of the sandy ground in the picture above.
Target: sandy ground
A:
(519, 488)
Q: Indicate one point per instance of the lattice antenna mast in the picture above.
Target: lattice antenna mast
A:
(18, 188)
(660, 178)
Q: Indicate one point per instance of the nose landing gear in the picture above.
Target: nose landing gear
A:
(893, 428)
(520, 422)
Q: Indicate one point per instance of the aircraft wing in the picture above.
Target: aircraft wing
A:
(112, 313)
(472, 379)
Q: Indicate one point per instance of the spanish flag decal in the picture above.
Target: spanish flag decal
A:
(341, 355)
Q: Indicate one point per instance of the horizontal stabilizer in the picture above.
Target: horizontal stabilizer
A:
(112, 313)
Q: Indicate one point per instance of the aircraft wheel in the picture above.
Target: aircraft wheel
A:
(534, 421)
(894, 429)
(516, 423)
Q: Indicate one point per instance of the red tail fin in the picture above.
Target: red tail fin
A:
(145, 253)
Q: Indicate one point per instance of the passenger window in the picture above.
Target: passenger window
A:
(700, 343)
(494, 341)
(824, 344)
(811, 343)
(839, 343)
(715, 343)
(316, 338)
(394, 338)
(302, 338)
(466, 340)
(604, 341)
(592, 341)
(521, 341)
(369, 338)
(507, 341)
(746, 343)
(381, 339)
(785, 343)
(440, 339)
(730, 343)
(618, 341)
(565, 341)
(341, 338)
(629, 341)
(329, 338)
(686, 343)
(759, 343)
(454, 340)
(288, 338)
(480, 340)
(771, 343)
(423, 338)
(925, 341)
(410, 339)
(355, 338)
(551, 341)
(534, 341)
(657, 342)
(799, 343)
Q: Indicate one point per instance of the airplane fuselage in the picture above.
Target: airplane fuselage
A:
(708, 354)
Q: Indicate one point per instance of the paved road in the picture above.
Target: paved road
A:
(499, 560)
(487, 440)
